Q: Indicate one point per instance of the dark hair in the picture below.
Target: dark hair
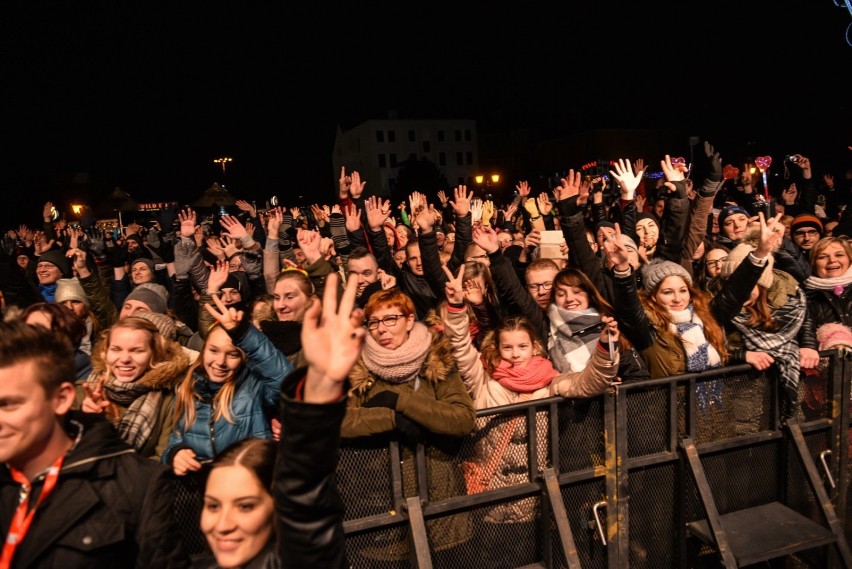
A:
(254, 454)
(360, 252)
(573, 277)
(62, 320)
(52, 354)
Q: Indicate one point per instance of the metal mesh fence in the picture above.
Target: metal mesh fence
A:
(483, 500)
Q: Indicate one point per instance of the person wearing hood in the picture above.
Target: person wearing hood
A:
(135, 370)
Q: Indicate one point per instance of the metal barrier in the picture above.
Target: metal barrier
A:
(597, 483)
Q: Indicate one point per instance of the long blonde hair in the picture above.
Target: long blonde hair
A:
(186, 395)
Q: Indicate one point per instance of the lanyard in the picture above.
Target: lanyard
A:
(23, 515)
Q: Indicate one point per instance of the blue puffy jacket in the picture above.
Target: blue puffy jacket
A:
(255, 399)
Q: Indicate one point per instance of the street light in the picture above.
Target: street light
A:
(484, 183)
(223, 162)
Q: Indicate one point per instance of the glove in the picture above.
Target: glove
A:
(386, 398)
(410, 432)
(715, 162)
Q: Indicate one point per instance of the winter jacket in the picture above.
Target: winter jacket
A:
(441, 406)
(664, 353)
(823, 307)
(255, 398)
(111, 507)
(163, 377)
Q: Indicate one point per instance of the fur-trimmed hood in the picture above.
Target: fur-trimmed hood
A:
(438, 364)
(165, 375)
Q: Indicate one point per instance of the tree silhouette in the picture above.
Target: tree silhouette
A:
(422, 176)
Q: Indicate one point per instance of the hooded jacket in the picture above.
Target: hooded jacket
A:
(163, 377)
(110, 508)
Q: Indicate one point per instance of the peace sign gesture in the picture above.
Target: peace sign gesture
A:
(95, 402)
(454, 287)
(227, 317)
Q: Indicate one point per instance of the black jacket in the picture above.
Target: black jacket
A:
(111, 508)
(824, 307)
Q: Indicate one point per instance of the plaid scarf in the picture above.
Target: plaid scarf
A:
(700, 354)
(569, 352)
(142, 404)
(781, 344)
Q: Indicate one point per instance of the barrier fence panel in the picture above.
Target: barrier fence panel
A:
(595, 483)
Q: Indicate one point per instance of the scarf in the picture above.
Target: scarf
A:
(142, 404)
(570, 352)
(781, 344)
(834, 283)
(535, 375)
(48, 292)
(402, 364)
(700, 354)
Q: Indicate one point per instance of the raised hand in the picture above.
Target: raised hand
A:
(569, 186)
(274, 217)
(672, 173)
(532, 239)
(332, 338)
(343, 183)
(357, 186)
(610, 331)
(442, 196)
(233, 227)
(309, 243)
(229, 246)
(626, 178)
(714, 159)
(487, 212)
(454, 287)
(486, 238)
(187, 220)
(509, 212)
(544, 205)
(461, 201)
(771, 234)
(246, 207)
(530, 206)
(523, 188)
(227, 317)
(377, 212)
(218, 275)
(352, 215)
(316, 210)
(476, 210)
(214, 245)
(615, 250)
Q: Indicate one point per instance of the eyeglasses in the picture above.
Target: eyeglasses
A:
(716, 263)
(806, 232)
(535, 287)
(389, 321)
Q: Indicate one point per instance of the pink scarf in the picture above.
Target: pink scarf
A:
(537, 374)
(402, 364)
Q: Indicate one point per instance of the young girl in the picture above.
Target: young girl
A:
(512, 367)
(229, 394)
(134, 373)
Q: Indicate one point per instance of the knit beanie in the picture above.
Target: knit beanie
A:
(806, 220)
(135, 238)
(233, 282)
(70, 289)
(628, 242)
(737, 255)
(147, 262)
(654, 272)
(57, 258)
(609, 224)
(833, 335)
(645, 215)
(164, 323)
(728, 211)
(152, 294)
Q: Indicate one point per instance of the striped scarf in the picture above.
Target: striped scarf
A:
(569, 352)
(700, 354)
(781, 344)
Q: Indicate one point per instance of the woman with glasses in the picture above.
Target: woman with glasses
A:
(406, 386)
(714, 258)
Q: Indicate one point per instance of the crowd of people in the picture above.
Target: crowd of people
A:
(246, 347)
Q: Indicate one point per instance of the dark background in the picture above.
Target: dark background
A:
(145, 97)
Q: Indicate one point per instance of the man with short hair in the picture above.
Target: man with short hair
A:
(73, 493)
(363, 266)
(539, 280)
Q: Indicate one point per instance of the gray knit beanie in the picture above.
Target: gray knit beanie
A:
(70, 289)
(654, 272)
(154, 295)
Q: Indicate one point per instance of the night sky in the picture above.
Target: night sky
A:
(145, 98)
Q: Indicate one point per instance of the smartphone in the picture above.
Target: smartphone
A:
(594, 328)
